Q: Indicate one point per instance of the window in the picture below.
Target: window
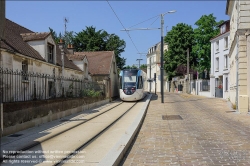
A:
(217, 64)
(51, 87)
(140, 83)
(226, 62)
(226, 89)
(114, 71)
(223, 29)
(25, 70)
(217, 46)
(85, 70)
(50, 51)
(226, 42)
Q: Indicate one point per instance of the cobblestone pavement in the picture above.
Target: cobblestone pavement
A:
(209, 133)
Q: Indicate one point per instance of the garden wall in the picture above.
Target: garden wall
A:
(18, 116)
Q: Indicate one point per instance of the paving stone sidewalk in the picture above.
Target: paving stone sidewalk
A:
(196, 131)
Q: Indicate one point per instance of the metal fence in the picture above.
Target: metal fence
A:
(24, 86)
(205, 85)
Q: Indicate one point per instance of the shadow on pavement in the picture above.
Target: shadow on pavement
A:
(154, 97)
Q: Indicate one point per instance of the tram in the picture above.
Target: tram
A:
(133, 84)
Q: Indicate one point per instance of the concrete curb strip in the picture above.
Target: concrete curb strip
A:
(116, 154)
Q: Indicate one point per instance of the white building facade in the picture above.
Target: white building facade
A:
(219, 75)
(154, 67)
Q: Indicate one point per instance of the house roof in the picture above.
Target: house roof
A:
(34, 36)
(99, 62)
(16, 37)
(13, 41)
(67, 62)
(227, 30)
(76, 57)
(223, 23)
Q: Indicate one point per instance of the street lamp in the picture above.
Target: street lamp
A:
(162, 25)
(139, 61)
(61, 46)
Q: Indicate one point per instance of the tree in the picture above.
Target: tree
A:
(92, 40)
(68, 37)
(54, 35)
(114, 43)
(130, 67)
(179, 39)
(143, 66)
(207, 28)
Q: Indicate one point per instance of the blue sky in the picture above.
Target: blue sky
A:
(38, 16)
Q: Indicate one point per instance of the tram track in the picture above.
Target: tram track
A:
(32, 144)
(55, 140)
(92, 139)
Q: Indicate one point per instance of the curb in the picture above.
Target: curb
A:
(116, 154)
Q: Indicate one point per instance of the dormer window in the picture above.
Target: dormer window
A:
(50, 53)
(223, 29)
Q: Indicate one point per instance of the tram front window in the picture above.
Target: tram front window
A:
(129, 85)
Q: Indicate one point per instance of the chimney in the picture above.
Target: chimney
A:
(2, 18)
(70, 48)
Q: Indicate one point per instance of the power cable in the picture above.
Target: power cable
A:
(145, 21)
(123, 27)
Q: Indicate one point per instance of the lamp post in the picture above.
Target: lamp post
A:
(2, 26)
(139, 62)
(61, 46)
(162, 25)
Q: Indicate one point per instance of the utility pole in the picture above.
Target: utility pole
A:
(139, 62)
(162, 72)
(162, 24)
(188, 70)
(150, 83)
(2, 27)
(61, 46)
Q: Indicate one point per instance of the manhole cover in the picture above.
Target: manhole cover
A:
(15, 135)
(171, 117)
(230, 111)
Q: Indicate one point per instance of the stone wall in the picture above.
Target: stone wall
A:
(18, 116)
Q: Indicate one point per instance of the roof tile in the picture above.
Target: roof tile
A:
(99, 61)
(15, 40)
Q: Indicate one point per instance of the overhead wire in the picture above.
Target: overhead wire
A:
(123, 26)
(145, 21)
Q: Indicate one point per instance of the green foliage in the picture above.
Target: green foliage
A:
(130, 67)
(54, 35)
(90, 93)
(179, 39)
(68, 37)
(69, 92)
(143, 66)
(92, 40)
(207, 28)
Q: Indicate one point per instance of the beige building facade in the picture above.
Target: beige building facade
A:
(102, 68)
(31, 65)
(154, 67)
(239, 12)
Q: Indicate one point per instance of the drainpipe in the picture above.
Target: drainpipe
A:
(237, 58)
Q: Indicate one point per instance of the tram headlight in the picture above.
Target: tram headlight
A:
(133, 90)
